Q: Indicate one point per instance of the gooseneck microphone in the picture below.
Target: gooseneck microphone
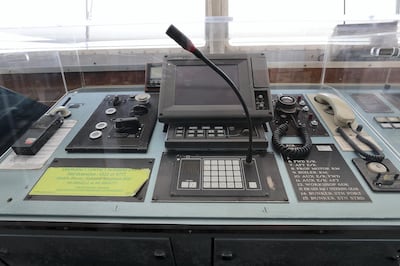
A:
(187, 44)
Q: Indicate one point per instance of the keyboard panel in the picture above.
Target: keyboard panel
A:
(214, 136)
(210, 175)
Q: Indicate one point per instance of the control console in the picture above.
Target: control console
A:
(121, 123)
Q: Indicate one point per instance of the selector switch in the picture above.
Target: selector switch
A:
(383, 177)
(376, 167)
(143, 98)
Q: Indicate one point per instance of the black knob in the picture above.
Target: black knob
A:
(116, 101)
(139, 109)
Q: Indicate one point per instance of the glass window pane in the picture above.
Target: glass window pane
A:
(293, 22)
(370, 9)
(42, 13)
(75, 24)
(143, 23)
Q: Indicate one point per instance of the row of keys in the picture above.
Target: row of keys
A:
(205, 131)
(222, 162)
(221, 168)
(217, 184)
(222, 178)
(214, 184)
(221, 172)
(202, 127)
(388, 121)
(222, 185)
(385, 119)
(189, 184)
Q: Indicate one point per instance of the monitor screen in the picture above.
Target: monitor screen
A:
(200, 85)
(192, 91)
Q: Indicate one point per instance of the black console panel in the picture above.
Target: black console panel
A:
(294, 109)
(121, 123)
(222, 176)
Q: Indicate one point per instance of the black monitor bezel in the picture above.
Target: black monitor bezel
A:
(171, 112)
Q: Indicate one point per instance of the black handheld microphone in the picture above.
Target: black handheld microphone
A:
(187, 44)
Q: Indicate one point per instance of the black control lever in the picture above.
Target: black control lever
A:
(127, 125)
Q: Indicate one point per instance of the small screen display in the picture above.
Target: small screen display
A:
(200, 85)
(155, 72)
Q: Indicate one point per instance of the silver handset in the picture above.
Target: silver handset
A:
(343, 115)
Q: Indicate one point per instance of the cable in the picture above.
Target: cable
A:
(239, 96)
(377, 155)
(292, 152)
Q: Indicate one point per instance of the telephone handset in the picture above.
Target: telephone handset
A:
(343, 115)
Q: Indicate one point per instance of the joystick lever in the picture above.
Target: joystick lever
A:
(127, 125)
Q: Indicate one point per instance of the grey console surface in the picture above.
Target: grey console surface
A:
(167, 198)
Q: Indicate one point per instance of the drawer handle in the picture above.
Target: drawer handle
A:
(227, 255)
(160, 254)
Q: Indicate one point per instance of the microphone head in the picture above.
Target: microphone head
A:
(180, 38)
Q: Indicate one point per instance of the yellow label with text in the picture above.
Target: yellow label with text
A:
(88, 181)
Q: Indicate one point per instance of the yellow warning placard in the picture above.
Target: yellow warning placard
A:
(90, 181)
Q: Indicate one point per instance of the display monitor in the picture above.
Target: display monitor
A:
(191, 90)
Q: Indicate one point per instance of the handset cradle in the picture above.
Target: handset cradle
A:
(343, 117)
